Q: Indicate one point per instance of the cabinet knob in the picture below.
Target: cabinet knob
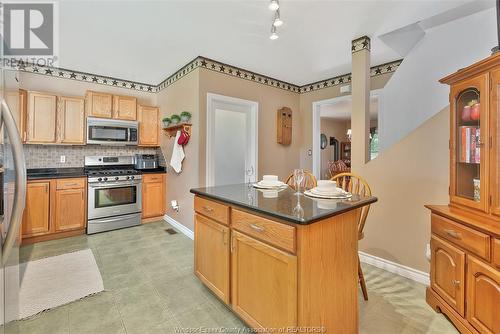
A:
(257, 228)
(453, 234)
(455, 282)
(208, 209)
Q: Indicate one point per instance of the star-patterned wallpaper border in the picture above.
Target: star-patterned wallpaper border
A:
(361, 43)
(209, 64)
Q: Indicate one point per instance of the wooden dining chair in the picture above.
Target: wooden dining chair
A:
(308, 182)
(356, 185)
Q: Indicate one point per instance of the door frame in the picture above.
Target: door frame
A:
(253, 111)
(316, 126)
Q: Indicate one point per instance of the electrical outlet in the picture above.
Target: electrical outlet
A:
(345, 89)
(62, 159)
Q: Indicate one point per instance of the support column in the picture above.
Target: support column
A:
(360, 118)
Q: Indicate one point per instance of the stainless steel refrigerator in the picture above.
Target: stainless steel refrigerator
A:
(12, 202)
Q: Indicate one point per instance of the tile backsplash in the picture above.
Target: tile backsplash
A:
(49, 156)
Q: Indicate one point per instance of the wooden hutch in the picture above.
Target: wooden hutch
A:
(465, 240)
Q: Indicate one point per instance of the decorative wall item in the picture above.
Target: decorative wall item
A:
(284, 126)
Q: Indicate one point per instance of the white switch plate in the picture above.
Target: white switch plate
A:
(62, 159)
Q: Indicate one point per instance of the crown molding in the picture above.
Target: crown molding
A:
(205, 63)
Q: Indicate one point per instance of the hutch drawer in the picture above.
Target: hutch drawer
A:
(467, 238)
(211, 209)
(277, 234)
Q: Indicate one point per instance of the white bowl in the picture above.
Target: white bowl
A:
(326, 185)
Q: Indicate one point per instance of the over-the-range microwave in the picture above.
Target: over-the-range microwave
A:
(111, 132)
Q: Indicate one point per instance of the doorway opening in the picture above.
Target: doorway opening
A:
(332, 134)
(232, 140)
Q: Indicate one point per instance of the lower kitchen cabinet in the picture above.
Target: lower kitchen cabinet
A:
(36, 218)
(211, 261)
(153, 195)
(54, 209)
(70, 209)
(483, 296)
(264, 283)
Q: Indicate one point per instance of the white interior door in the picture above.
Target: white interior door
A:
(231, 140)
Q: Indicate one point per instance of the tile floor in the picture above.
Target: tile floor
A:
(150, 288)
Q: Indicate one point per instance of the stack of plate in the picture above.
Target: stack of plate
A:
(327, 189)
(269, 182)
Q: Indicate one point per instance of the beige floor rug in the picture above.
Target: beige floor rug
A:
(57, 280)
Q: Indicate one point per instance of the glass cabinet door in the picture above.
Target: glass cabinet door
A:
(495, 142)
(468, 150)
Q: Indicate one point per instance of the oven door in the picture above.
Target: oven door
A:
(114, 199)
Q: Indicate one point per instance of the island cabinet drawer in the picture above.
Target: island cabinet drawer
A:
(274, 233)
(211, 209)
(467, 238)
(62, 184)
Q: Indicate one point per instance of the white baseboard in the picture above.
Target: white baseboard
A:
(182, 228)
(395, 268)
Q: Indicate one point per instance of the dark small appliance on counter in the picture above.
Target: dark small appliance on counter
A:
(146, 161)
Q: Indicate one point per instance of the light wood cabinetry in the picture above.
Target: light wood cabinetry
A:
(256, 296)
(41, 118)
(149, 125)
(448, 273)
(54, 209)
(211, 261)
(483, 296)
(17, 102)
(124, 107)
(71, 120)
(276, 275)
(70, 205)
(465, 270)
(153, 195)
(99, 104)
(36, 219)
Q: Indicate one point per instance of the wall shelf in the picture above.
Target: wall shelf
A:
(171, 131)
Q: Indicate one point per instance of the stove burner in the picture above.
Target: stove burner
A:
(112, 172)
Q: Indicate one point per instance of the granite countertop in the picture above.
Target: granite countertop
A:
(284, 204)
(55, 173)
(160, 169)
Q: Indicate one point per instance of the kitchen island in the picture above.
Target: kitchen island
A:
(283, 262)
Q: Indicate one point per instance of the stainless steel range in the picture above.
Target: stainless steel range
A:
(114, 193)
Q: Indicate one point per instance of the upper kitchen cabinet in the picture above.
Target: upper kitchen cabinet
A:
(17, 101)
(71, 120)
(41, 118)
(148, 118)
(125, 107)
(99, 104)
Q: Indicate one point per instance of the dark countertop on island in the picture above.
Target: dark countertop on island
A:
(283, 204)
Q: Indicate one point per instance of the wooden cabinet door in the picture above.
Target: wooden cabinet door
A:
(495, 143)
(448, 273)
(264, 283)
(16, 100)
(99, 104)
(36, 213)
(483, 296)
(211, 255)
(71, 120)
(41, 118)
(125, 107)
(469, 153)
(69, 210)
(148, 126)
(153, 195)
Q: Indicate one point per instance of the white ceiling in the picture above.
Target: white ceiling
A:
(341, 110)
(148, 40)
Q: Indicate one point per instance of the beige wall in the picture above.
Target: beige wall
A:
(273, 157)
(411, 173)
(182, 96)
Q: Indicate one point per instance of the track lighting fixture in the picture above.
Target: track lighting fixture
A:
(277, 20)
(274, 34)
(274, 5)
